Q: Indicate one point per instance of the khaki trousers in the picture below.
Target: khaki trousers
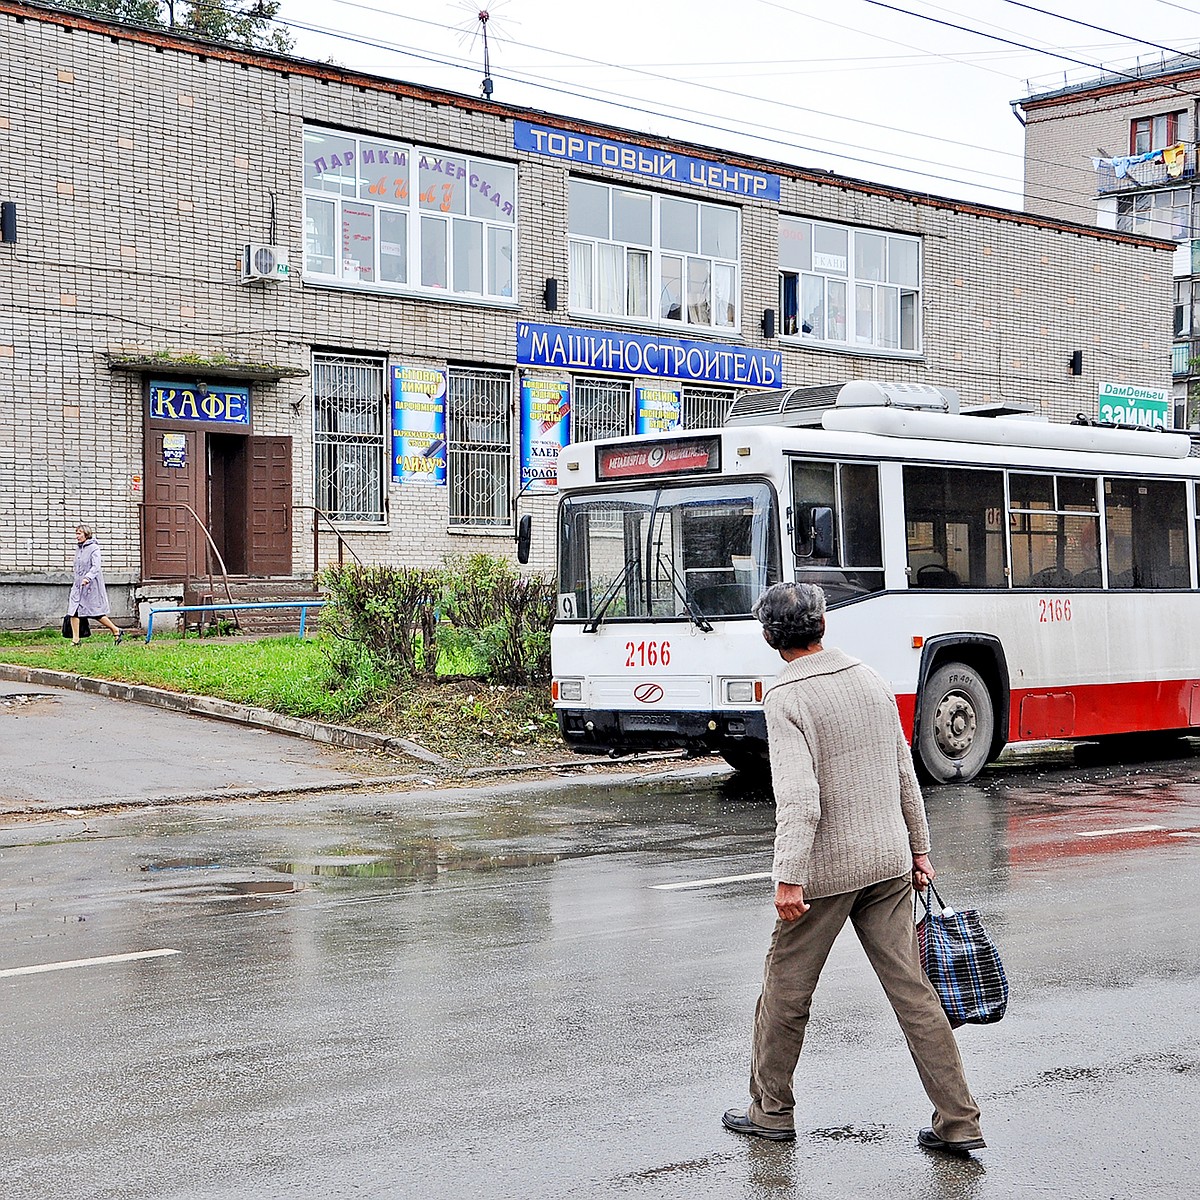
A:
(882, 916)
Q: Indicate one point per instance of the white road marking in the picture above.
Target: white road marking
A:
(699, 883)
(85, 962)
(1116, 832)
(1185, 833)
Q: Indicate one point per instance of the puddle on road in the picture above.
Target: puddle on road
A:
(240, 889)
(853, 1133)
(29, 702)
(183, 864)
(420, 860)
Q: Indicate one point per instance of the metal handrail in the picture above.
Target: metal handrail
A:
(208, 537)
(318, 516)
(233, 605)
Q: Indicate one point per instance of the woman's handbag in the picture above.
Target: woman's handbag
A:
(962, 963)
(85, 628)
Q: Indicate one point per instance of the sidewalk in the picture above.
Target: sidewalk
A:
(73, 742)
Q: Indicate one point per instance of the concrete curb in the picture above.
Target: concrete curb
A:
(107, 803)
(225, 710)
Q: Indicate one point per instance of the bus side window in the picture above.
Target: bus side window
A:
(1146, 523)
(837, 534)
(954, 518)
(812, 489)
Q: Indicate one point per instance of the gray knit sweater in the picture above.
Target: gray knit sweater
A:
(849, 811)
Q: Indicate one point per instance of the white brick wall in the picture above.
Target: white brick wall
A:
(140, 170)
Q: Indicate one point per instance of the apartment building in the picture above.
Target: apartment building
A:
(1120, 150)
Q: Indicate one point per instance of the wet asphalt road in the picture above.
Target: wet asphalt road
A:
(470, 994)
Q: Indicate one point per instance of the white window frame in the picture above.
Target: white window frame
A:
(1143, 212)
(587, 253)
(873, 311)
(382, 178)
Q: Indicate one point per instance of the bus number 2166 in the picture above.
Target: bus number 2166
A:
(647, 654)
(1054, 610)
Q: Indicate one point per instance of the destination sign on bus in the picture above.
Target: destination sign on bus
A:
(637, 460)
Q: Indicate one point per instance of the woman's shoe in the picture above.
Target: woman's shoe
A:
(75, 642)
(117, 637)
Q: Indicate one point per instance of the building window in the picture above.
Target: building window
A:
(1155, 133)
(349, 432)
(1156, 214)
(705, 408)
(390, 216)
(479, 447)
(653, 258)
(849, 287)
(599, 409)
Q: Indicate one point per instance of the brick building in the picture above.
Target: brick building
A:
(259, 293)
(1120, 150)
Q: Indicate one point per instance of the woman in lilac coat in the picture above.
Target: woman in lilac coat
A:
(89, 598)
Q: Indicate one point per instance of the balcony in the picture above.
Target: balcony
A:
(1142, 175)
(1182, 354)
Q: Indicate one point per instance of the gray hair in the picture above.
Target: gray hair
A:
(86, 530)
(792, 615)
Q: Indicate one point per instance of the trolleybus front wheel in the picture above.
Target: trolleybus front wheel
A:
(955, 736)
(749, 759)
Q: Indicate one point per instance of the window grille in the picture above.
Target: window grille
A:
(599, 409)
(705, 408)
(349, 438)
(478, 418)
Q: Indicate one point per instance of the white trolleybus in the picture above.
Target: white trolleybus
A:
(1011, 578)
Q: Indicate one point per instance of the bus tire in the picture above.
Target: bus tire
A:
(957, 722)
(749, 759)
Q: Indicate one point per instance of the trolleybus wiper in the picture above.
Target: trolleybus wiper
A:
(698, 618)
(593, 623)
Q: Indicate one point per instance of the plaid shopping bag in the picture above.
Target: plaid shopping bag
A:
(962, 963)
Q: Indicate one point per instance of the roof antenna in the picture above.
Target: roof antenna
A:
(484, 18)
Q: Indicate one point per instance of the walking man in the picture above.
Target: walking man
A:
(851, 841)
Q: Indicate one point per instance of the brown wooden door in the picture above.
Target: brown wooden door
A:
(270, 507)
(174, 542)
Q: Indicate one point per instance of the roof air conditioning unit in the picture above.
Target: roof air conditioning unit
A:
(264, 264)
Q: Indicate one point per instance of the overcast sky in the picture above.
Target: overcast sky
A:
(862, 88)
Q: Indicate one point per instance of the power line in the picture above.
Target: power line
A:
(891, 129)
(1066, 199)
(1129, 37)
(1051, 53)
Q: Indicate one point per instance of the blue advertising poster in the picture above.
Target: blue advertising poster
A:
(545, 430)
(646, 161)
(658, 408)
(566, 347)
(216, 403)
(418, 425)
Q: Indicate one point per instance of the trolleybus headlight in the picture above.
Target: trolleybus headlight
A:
(739, 691)
(570, 689)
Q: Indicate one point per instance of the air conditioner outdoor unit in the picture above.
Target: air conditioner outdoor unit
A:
(264, 264)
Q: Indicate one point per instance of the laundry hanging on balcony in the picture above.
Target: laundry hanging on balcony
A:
(1174, 158)
(1120, 166)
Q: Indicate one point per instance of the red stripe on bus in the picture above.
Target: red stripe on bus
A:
(1091, 710)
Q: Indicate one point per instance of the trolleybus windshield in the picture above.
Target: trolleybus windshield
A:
(691, 553)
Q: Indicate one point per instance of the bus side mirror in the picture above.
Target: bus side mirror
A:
(524, 537)
(822, 533)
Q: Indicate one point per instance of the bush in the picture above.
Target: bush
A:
(384, 621)
(505, 617)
